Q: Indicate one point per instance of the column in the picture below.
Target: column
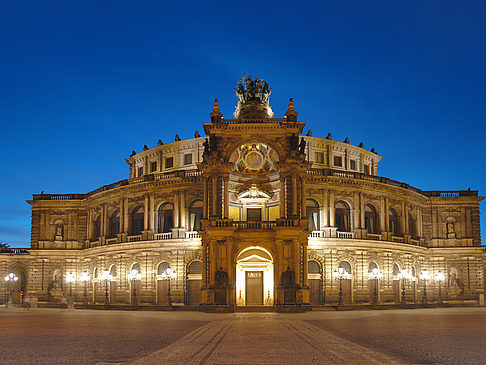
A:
(205, 198)
(152, 212)
(182, 209)
(102, 220)
(214, 184)
(122, 214)
(146, 213)
(385, 215)
(294, 195)
(404, 220)
(356, 210)
(361, 211)
(226, 198)
(176, 210)
(303, 197)
(382, 215)
(126, 216)
(419, 223)
(323, 210)
(434, 223)
(331, 209)
(282, 197)
(90, 225)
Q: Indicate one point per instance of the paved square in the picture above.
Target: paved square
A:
(425, 336)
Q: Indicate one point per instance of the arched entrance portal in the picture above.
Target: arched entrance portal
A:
(254, 277)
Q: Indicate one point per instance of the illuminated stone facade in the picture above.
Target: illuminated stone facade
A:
(254, 214)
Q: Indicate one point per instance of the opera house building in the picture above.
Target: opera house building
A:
(255, 213)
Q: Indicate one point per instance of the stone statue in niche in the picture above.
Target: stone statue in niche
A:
(288, 278)
(221, 278)
(59, 232)
(451, 233)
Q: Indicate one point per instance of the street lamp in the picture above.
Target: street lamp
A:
(340, 273)
(169, 274)
(85, 278)
(404, 275)
(106, 277)
(134, 275)
(424, 275)
(9, 279)
(440, 278)
(375, 275)
(70, 280)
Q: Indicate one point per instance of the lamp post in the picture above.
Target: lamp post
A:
(340, 273)
(440, 278)
(70, 280)
(375, 275)
(404, 275)
(133, 276)
(169, 274)
(85, 278)
(424, 275)
(106, 277)
(9, 279)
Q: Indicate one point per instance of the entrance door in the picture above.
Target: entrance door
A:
(254, 288)
(347, 291)
(194, 292)
(315, 291)
(162, 292)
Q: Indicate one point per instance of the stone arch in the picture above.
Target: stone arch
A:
(255, 276)
(313, 214)
(165, 217)
(342, 212)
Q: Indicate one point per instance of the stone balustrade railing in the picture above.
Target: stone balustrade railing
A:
(163, 236)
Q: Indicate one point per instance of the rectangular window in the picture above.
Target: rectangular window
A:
(153, 166)
(352, 164)
(338, 161)
(140, 171)
(169, 162)
(367, 169)
(319, 157)
(188, 159)
(254, 214)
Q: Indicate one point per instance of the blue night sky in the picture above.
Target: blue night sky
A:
(85, 83)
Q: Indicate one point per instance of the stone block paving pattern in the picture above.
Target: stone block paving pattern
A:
(264, 341)
(106, 337)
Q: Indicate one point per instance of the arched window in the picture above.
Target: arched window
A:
(370, 219)
(115, 224)
(136, 266)
(312, 211)
(313, 267)
(195, 215)
(393, 222)
(195, 267)
(411, 226)
(137, 220)
(113, 271)
(165, 218)
(162, 267)
(96, 228)
(396, 269)
(346, 266)
(372, 266)
(343, 223)
(95, 273)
